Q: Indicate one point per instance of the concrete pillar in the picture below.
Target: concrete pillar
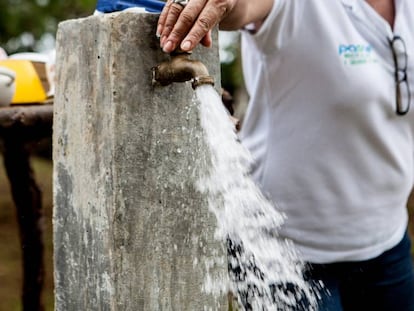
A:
(131, 230)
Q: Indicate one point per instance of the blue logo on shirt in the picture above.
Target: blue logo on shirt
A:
(357, 54)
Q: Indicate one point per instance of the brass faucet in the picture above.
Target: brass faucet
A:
(181, 69)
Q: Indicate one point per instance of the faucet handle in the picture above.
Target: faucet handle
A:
(197, 81)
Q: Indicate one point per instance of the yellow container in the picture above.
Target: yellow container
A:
(31, 80)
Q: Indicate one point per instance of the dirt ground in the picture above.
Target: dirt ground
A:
(10, 254)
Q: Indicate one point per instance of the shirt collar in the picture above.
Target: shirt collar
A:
(362, 11)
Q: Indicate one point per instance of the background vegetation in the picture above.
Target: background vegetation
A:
(31, 25)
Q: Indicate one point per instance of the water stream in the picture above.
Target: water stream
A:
(265, 272)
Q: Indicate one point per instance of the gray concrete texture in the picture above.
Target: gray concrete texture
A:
(131, 230)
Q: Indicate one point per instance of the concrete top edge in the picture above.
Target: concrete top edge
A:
(108, 16)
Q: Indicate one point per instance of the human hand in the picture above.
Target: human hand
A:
(227, 100)
(187, 25)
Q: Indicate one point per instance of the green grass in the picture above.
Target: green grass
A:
(10, 254)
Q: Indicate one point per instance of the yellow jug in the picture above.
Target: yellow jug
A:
(31, 80)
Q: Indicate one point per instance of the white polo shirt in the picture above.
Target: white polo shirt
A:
(330, 150)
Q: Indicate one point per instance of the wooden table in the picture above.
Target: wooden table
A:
(21, 125)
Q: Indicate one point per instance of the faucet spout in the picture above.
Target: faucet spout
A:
(180, 69)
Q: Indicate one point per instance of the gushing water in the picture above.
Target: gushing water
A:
(265, 273)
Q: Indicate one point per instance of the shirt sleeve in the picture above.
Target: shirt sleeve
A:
(279, 26)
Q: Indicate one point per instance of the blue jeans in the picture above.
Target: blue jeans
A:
(385, 283)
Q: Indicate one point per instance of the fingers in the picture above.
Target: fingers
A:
(162, 19)
(187, 26)
(207, 40)
(177, 22)
(201, 28)
(167, 20)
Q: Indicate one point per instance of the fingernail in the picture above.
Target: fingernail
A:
(158, 33)
(186, 45)
(168, 47)
(162, 41)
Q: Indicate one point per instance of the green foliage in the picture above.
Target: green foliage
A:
(34, 19)
(232, 75)
(231, 70)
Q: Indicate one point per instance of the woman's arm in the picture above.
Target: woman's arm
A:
(246, 12)
(187, 26)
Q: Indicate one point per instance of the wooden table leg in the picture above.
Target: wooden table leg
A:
(28, 200)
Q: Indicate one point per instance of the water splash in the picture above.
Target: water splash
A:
(265, 273)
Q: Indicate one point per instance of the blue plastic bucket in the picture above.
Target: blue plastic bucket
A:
(109, 6)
